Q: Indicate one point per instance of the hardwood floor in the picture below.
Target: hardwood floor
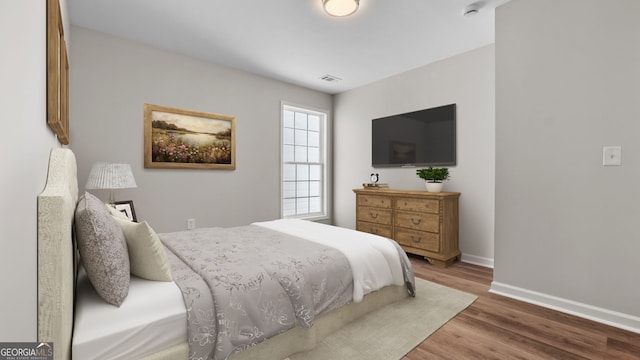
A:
(496, 327)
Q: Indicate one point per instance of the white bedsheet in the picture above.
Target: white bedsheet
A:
(151, 318)
(373, 259)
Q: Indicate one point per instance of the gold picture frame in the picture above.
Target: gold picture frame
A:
(57, 74)
(186, 139)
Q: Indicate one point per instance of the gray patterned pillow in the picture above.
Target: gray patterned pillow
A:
(103, 249)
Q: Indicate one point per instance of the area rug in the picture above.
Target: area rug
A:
(391, 332)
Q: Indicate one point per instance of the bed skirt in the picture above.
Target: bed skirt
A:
(301, 339)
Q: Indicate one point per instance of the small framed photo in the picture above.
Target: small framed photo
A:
(126, 207)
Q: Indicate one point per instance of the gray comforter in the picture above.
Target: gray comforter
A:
(244, 285)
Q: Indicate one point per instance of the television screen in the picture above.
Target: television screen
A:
(420, 138)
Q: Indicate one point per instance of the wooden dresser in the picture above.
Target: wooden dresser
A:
(423, 223)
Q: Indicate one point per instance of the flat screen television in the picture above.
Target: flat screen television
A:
(420, 138)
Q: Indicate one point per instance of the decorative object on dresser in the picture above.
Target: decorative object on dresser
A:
(434, 178)
(375, 186)
(111, 176)
(423, 223)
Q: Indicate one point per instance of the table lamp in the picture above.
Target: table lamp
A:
(110, 176)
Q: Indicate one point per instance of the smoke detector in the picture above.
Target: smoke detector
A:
(471, 10)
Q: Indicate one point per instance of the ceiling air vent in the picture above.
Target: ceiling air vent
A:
(330, 78)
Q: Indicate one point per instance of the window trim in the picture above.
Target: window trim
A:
(327, 189)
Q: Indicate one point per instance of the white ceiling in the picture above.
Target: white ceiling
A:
(294, 40)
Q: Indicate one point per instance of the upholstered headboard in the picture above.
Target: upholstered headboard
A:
(56, 267)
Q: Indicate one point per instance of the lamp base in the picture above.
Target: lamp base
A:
(112, 199)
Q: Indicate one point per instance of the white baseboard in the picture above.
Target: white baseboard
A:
(601, 315)
(477, 260)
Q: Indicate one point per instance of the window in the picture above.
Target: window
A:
(304, 166)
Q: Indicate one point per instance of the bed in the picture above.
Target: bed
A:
(159, 319)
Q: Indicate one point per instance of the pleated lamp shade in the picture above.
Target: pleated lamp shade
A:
(111, 176)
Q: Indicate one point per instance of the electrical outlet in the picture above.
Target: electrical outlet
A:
(612, 156)
(191, 224)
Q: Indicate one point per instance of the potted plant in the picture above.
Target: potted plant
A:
(433, 177)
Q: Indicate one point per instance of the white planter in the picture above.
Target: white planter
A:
(434, 186)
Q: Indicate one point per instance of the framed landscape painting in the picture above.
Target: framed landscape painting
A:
(187, 139)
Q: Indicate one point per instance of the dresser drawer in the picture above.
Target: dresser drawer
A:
(418, 221)
(418, 239)
(376, 229)
(374, 215)
(420, 205)
(423, 223)
(374, 201)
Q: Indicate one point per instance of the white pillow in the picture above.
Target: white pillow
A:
(146, 253)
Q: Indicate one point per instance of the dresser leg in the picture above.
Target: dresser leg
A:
(442, 263)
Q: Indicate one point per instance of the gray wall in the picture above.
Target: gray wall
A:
(111, 80)
(467, 80)
(25, 147)
(568, 83)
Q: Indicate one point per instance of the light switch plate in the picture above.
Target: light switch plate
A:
(612, 155)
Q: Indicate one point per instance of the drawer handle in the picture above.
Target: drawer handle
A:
(374, 215)
(416, 221)
(374, 231)
(414, 239)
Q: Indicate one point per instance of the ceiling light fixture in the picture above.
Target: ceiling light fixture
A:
(340, 7)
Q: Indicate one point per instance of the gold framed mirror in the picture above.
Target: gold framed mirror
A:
(57, 74)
